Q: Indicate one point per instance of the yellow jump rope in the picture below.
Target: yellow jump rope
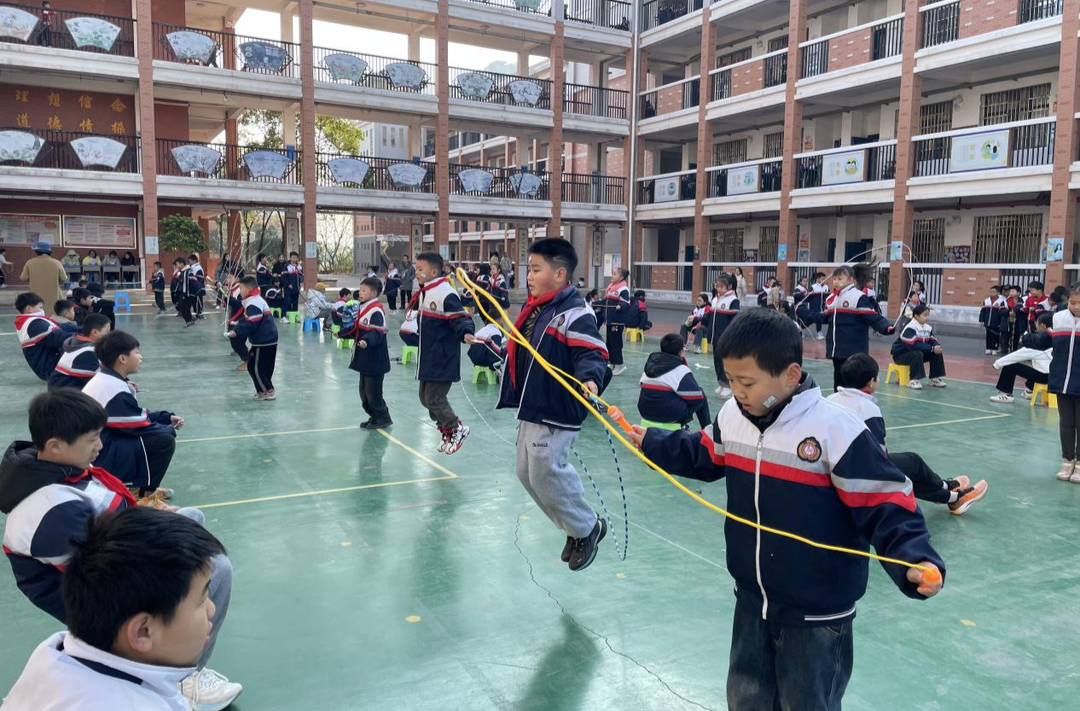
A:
(930, 575)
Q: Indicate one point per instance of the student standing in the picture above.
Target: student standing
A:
(256, 325)
(371, 357)
(616, 306)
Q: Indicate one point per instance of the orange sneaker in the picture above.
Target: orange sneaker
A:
(972, 495)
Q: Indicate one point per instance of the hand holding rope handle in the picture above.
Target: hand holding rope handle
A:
(926, 575)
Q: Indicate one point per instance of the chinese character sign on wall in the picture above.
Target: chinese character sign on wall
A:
(44, 108)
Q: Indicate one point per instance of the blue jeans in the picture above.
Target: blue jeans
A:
(776, 667)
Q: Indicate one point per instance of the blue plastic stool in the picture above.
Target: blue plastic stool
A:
(482, 371)
(313, 323)
(408, 353)
(122, 300)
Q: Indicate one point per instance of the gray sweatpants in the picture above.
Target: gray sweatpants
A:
(433, 397)
(220, 587)
(550, 479)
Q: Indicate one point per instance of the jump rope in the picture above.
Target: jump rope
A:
(930, 575)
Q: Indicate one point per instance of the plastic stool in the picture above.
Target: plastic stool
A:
(409, 353)
(293, 316)
(345, 343)
(276, 311)
(704, 345)
(673, 426)
(313, 323)
(121, 299)
(335, 328)
(635, 334)
(482, 371)
(902, 372)
(1049, 398)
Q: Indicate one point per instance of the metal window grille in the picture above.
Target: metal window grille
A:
(936, 117)
(767, 244)
(726, 245)
(729, 152)
(774, 145)
(741, 55)
(1014, 105)
(778, 43)
(1007, 239)
(928, 240)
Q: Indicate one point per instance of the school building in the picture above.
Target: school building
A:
(677, 138)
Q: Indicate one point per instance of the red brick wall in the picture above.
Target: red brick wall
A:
(171, 121)
(748, 77)
(851, 49)
(668, 100)
(967, 287)
(664, 277)
(981, 16)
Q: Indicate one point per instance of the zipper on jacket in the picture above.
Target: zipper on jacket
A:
(757, 508)
(1069, 362)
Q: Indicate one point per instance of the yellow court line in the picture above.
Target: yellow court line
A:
(13, 333)
(936, 402)
(948, 422)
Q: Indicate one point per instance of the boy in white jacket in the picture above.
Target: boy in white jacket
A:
(1030, 363)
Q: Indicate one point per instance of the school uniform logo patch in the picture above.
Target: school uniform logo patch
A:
(432, 306)
(562, 320)
(809, 450)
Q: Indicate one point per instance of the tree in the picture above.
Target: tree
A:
(262, 128)
(335, 240)
(180, 233)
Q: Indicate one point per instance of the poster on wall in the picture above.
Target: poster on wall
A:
(597, 247)
(979, 151)
(781, 252)
(896, 251)
(1055, 249)
(666, 189)
(749, 256)
(24, 230)
(843, 168)
(611, 263)
(743, 181)
(97, 232)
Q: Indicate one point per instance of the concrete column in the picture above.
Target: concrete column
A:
(523, 63)
(555, 140)
(308, 167)
(144, 39)
(287, 32)
(414, 46)
(903, 213)
(442, 127)
(288, 126)
(793, 113)
(416, 140)
(704, 154)
(1062, 199)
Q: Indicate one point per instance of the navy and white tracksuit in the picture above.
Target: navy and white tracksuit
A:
(669, 392)
(256, 324)
(722, 311)
(1062, 339)
(848, 314)
(42, 342)
(157, 284)
(373, 360)
(76, 366)
(263, 277)
(616, 309)
(637, 316)
(994, 317)
(408, 332)
(441, 323)
(487, 350)
(291, 280)
(914, 347)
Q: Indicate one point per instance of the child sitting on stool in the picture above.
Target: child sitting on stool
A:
(916, 346)
(669, 392)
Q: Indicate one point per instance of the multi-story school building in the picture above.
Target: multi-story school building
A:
(674, 137)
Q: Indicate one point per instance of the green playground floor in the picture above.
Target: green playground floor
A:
(374, 573)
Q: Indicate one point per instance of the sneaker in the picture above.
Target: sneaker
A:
(567, 550)
(284, 320)
(445, 440)
(1067, 469)
(1075, 478)
(189, 324)
(988, 352)
(366, 424)
(618, 370)
(821, 336)
(937, 382)
(584, 549)
(1026, 394)
(269, 395)
(379, 424)
(723, 392)
(915, 385)
(967, 498)
(457, 438)
(207, 690)
(960, 482)
(242, 367)
(1003, 397)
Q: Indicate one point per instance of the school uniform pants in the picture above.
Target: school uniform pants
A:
(185, 306)
(916, 359)
(406, 297)
(925, 484)
(158, 450)
(1069, 418)
(220, 593)
(391, 300)
(371, 397)
(718, 366)
(199, 305)
(837, 381)
(615, 342)
(1007, 380)
(778, 667)
(544, 469)
(993, 339)
(292, 301)
(240, 348)
(159, 300)
(685, 333)
(261, 367)
(433, 397)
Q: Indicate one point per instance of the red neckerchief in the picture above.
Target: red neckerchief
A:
(531, 304)
(614, 289)
(23, 318)
(107, 480)
(425, 287)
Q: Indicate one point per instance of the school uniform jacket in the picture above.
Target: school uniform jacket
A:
(915, 337)
(187, 283)
(263, 276)
(487, 349)
(617, 303)
(370, 328)
(256, 323)
(42, 342)
(865, 406)
(563, 331)
(292, 277)
(722, 310)
(393, 282)
(637, 316)
(669, 392)
(441, 323)
(408, 329)
(500, 291)
(48, 506)
(994, 313)
(78, 363)
(848, 315)
(1065, 362)
(200, 279)
(814, 470)
(157, 282)
(274, 298)
(123, 449)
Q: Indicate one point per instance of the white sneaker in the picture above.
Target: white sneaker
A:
(284, 320)
(1075, 478)
(937, 382)
(1067, 470)
(821, 336)
(1026, 394)
(209, 691)
(988, 352)
(724, 392)
(457, 438)
(1002, 397)
(618, 370)
(915, 385)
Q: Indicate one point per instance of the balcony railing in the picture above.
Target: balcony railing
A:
(1021, 144)
(62, 32)
(663, 276)
(505, 183)
(851, 164)
(195, 160)
(500, 89)
(878, 40)
(669, 98)
(941, 21)
(594, 188)
(57, 152)
(750, 75)
(595, 101)
(759, 176)
(660, 12)
(613, 14)
(371, 71)
(671, 187)
(532, 7)
(377, 177)
(1032, 10)
(211, 48)
(941, 24)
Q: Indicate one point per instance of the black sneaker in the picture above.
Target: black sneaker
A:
(366, 424)
(567, 549)
(379, 424)
(585, 548)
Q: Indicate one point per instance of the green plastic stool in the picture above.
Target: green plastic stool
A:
(673, 426)
(293, 316)
(276, 312)
(409, 353)
(482, 371)
(335, 328)
(345, 343)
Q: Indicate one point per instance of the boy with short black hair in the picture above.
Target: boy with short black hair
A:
(1035, 305)
(562, 329)
(187, 289)
(157, 283)
(199, 291)
(87, 303)
(58, 506)
(994, 312)
(371, 357)
(79, 363)
(343, 297)
(487, 350)
(292, 278)
(262, 272)
(41, 339)
(637, 316)
(65, 314)
(137, 445)
(442, 324)
(255, 323)
(794, 461)
(669, 392)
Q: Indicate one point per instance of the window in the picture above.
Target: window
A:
(1014, 105)
(774, 145)
(739, 55)
(936, 117)
(1007, 239)
(927, 240)
(767, 246)
(778, 43)
(726, 245)
(728, 152)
